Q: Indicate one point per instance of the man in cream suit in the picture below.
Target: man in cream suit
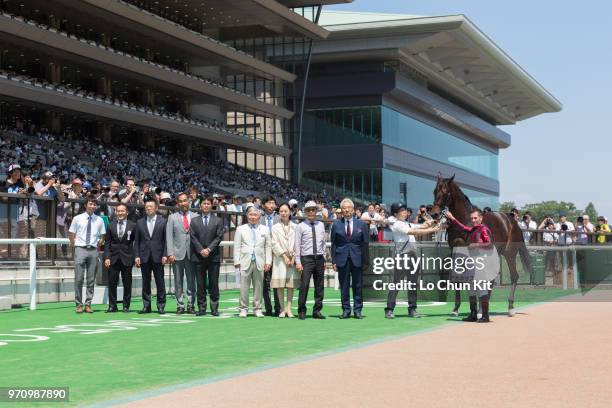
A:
(179, 253)
(253, 257)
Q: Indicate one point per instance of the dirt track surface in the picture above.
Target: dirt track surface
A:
(551, 355)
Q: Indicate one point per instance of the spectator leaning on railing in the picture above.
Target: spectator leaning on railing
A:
(602, 228)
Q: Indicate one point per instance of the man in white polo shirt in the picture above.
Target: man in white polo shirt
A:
(86, 233)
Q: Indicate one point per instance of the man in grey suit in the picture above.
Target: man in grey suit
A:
(178, 242)
(269, 218)
(206, 234)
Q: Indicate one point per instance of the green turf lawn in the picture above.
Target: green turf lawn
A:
(116, 364)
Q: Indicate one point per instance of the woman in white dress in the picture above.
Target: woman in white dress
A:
(284, 274)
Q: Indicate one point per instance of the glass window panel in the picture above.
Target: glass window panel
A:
(417, 137)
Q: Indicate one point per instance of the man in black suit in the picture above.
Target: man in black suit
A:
(119, 257)
(150, 254)
(206, 233)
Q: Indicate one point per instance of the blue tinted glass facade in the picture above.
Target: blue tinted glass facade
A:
(419, 191)
(409, 134)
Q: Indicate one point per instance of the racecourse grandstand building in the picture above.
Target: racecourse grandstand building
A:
(394, 100)
(214, 78)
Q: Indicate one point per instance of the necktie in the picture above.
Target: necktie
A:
(185, 222)
(314, 238)
(88, 231)
(348, 229)
(206, 221)
(151, 226)
(121, 229)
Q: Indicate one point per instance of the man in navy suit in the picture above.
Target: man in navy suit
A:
(349, 250)
(150, 255)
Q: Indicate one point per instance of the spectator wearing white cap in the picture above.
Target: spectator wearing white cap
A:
(310, 259)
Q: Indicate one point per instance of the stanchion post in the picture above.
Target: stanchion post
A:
(564, 269)
(575, 262)
(32, 276)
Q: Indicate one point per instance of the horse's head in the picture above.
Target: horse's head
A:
(442, 195)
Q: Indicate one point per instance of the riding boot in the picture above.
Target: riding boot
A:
(473, 310)
(485, 311)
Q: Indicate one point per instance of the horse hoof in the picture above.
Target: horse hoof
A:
(478, 315)
(454, 313)
(511, 312)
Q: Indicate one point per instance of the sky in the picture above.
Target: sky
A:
(566, 47)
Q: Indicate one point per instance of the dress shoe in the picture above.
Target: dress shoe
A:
(268, 313)
(191, 310)
(389, 314)
(144, 310)
(111, 310)
(413, 313)
(161, 311)
(88, 309)
(201, 313)
(79, 309)
(126, 310)
(180, 310)
(318, 316)
(345, 315)
(358, 315)
(302, 316)
(214, 313)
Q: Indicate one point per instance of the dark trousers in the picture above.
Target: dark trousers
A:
(207, 277)
(113, 280)
(160, 284)
(313, 267)
(398, 276)
(266, 294)
(349, 276)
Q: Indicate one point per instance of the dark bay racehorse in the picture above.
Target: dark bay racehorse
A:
(507, 235)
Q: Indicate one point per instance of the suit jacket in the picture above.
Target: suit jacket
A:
(150, 247)
(244, 246)
(120, 249)
(178, 241)
(209, 237)
(355, 247)
(263, 220)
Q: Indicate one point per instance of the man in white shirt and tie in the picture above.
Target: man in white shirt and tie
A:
(253, 257)
(86, 233)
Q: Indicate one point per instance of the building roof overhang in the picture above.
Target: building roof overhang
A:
(453, 54)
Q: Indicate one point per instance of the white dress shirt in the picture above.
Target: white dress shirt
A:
(79, 229)
(151, 224)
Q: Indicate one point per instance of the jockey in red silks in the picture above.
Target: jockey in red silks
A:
(479, 237)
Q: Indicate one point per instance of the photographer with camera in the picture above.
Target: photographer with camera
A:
(48, 186)
(13, 185)
(131, 196)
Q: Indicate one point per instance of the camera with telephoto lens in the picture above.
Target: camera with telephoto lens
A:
(564, 227)
(158, 190)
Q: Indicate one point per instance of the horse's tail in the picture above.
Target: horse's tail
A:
(526, 260)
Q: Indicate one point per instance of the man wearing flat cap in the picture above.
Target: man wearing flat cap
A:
(310, 259)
